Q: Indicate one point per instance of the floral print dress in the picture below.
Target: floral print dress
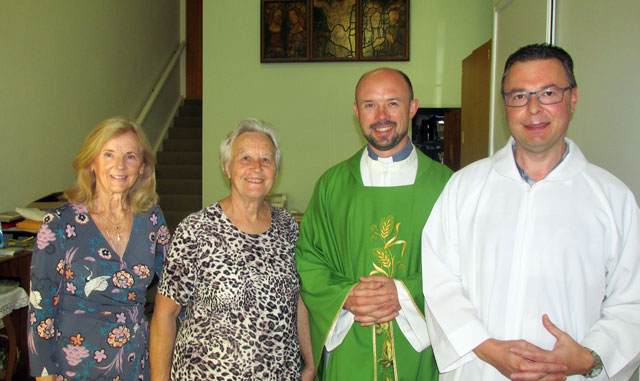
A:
(86, 310)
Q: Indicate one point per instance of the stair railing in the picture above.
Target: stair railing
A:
(163, 79)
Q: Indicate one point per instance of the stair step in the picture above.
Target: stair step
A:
(187, 121)
(185, 133)
(190, 171)
(179, 186)
(193, 101)
(179, 158)
(190, 109)
(179, 165)
(192, 145)
(178, 202)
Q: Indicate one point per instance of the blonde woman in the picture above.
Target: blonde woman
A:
(93, 261)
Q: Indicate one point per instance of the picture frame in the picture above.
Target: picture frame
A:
(334, 30)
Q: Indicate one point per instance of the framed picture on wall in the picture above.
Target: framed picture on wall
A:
(334, 30)
(284, 31)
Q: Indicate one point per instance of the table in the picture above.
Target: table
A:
(12, 297)
(17, 267)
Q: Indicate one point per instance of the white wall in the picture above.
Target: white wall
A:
(603, 38)
(510, 33)
(67, 65)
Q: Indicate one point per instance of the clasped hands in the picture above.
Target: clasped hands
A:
(521, 360)
(373, 301)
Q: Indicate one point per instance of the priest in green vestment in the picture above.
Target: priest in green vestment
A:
(358, 254)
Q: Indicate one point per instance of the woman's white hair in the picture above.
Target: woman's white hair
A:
(248, 125)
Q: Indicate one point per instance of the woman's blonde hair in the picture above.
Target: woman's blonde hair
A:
(142, 196)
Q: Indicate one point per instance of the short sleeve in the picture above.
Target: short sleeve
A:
(179, 275)
(162, 238)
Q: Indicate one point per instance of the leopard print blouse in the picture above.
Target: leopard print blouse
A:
(239, 296)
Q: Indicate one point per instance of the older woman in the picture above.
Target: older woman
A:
(93, 261)
(231, 271)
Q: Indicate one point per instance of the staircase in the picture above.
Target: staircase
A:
(179, 165)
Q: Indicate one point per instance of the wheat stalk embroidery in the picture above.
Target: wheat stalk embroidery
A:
(388, 261)
(387, 231)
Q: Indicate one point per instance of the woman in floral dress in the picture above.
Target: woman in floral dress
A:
(93, 261)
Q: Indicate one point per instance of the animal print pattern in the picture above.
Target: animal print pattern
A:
(239, 294)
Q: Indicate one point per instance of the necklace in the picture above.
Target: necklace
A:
(116, 227)
(120, 230)
(110, 241)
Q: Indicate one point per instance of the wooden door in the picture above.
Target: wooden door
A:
(451, 149)
(194, 49)
(476, 84)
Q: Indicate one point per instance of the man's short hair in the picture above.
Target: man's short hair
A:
(536, 52)
(406, 79)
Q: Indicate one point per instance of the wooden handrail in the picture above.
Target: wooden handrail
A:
(156, 90)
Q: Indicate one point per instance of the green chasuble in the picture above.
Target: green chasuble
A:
(349, 231)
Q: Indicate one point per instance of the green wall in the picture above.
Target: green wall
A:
(311, 104)
(67, 65)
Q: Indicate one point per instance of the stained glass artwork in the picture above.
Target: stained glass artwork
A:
(334, 30)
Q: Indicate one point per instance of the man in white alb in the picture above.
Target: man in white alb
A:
(531, 257)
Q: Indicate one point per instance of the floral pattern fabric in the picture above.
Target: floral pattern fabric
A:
(86, 310)
(239, 297)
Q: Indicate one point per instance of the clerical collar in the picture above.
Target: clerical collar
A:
(525, 176)
(398, 156)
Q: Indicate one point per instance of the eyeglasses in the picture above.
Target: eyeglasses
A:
(547, 96)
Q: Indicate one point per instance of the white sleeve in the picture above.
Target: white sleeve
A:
(452, 320)
(339, 329)
(410, 320)
(615, 337)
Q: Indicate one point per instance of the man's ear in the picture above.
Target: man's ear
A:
(574, 99)
(413, 107)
